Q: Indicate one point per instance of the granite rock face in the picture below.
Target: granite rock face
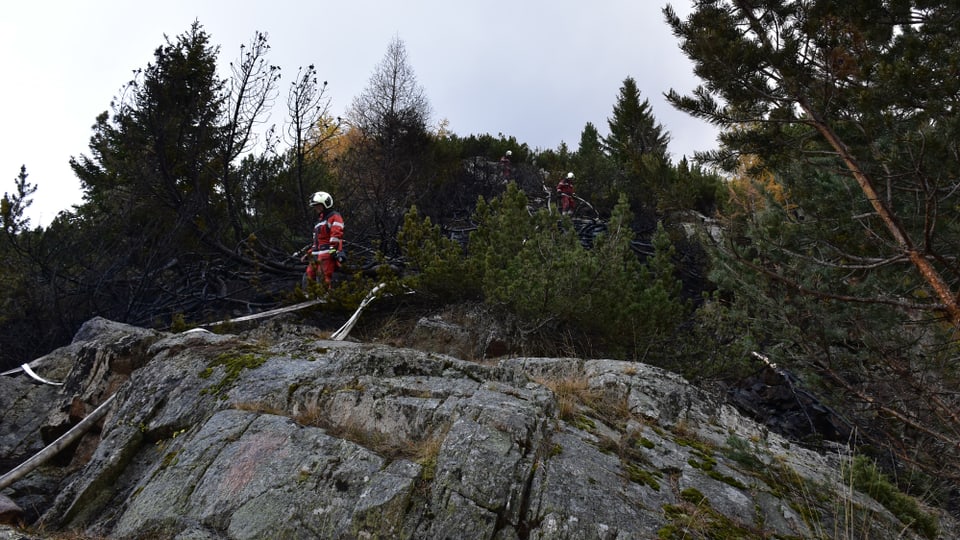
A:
(280, 433)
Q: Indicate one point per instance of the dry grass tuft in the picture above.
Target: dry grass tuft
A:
(573, 393)
(576, 397)
(260, 407)
(310, 415)
(423, 451)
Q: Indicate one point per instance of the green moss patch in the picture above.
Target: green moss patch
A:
(640, 476)
(868, 479)
(695, 518)
(233, 365)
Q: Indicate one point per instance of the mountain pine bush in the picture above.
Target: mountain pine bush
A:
(531, 264)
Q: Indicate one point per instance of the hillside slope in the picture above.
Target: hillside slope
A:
(279, 432)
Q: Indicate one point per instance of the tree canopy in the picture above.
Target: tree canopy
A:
(862, 93)
(839, 253)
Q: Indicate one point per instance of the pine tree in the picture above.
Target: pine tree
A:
(438, 264)
(29, 318)
(850, 88)
(839, 259)
(637, 143)
(390, 118)
(596, 172)
(633, 130)
(635, 305)
(152, 189)
(13, 207)
(153, 157)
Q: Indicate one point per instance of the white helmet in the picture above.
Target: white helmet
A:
(569, 175)
(321, 198)
(509, 153)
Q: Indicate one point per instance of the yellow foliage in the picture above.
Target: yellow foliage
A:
(753, 184)
(328, 140)
(443, 129)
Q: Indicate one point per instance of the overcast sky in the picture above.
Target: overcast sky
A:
(538, 70)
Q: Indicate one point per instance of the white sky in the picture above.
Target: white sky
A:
(538, 70)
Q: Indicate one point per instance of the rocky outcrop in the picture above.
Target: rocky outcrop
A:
(280, 433)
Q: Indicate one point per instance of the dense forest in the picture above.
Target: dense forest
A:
(831, 202)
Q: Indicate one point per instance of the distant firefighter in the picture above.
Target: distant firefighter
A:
(565, 190)
(505, 168)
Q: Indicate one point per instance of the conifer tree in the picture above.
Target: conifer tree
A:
(864, 90)
(596, 172)
(536, 268)
(387, 167)
(28, 315)
(13, 207)
(634, 132)
(637, 143)
(151, 186)
(438, 264)
(152, 159)
(838, 255)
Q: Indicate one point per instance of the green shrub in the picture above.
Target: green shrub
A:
(441, 267)
(533, 265)
(868, 479)
(537, 268)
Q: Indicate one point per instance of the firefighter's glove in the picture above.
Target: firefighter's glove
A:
(340, 256)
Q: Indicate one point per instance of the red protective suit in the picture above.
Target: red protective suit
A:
(327, 240)
(505, 168)
(567, 202)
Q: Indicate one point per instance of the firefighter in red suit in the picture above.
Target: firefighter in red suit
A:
(326, 252)
(505, 167)
(565, 190)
